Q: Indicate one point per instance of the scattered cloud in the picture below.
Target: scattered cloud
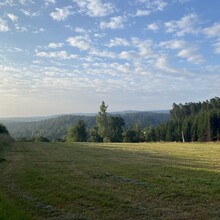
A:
(30, 14)
(191, 55)
(128, 55)
(55, 45)
(80, 30)
(48, 2)
(39, 31)
(118, 42)
(113, 23)
(162, 62)
(105, 54)
(213, 31)
(81, 42)
(13, 17)
(61, 14)
(105, 48)
(174, 44)
(143, 12)
(25, 2)
(153, 27)
(7, 2)
(150, 6)
(186, 25)
(18, 49)
(95, 8)
(185, 50)
(57, 54)
(144, 47)
(217, 47)
(3, 26)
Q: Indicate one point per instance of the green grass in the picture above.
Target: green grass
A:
(111, 181)
(9, 211)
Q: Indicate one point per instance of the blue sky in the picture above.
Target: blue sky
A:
(66, 56)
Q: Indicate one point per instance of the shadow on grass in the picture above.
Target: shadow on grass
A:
(101, 181)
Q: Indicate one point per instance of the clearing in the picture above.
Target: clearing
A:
(110, 181)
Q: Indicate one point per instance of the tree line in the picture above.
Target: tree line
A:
(189, 122)
(56, 128)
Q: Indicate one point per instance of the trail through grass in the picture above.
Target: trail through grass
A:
(113, 181)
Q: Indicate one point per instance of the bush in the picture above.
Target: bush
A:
(5, 144)
(3, 129)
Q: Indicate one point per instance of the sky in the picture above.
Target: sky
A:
(67, 56)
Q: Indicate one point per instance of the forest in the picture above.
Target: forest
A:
(189, 122)
(56, 128)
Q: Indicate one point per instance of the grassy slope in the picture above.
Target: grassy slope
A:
(112, 181)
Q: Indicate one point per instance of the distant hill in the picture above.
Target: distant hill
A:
(26, 119)
(56, 127)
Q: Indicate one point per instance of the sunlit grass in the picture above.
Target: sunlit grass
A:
(115, 181)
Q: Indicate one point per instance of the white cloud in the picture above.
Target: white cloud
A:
(55, 45)
(61, 14)
(30, 14)
(191, 55)
(12, 17)
(124, 68)
(174, 44)
(114, 23)
(128, 55)
(95, 8)
(57, 54)
(99, 35)
(80, 30)
(142, 12)
(185, 50)
(7, 2)
(186, 25)
(81, 42)
(105, 54)
(3, 26)
(213, 31)
(145, 47)
(162, 63)
(217, 47)
(21, 29)
(48, 2)
(153, 27)
(39, 31)
(118, 42)
(24, 2)
(150, 6)
(18, 49)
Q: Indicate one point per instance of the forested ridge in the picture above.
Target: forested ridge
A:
(56, 128)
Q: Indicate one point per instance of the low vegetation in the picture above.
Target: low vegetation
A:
(5, 142)
(111, 181)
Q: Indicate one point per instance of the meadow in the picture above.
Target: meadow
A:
(110, 181)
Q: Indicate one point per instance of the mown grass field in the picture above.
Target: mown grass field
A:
(111, 181)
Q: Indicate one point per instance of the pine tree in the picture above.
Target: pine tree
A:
(102, 122)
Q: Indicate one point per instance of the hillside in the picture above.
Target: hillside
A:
(57, 127)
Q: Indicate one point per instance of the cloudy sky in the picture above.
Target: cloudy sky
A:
(66, 56)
